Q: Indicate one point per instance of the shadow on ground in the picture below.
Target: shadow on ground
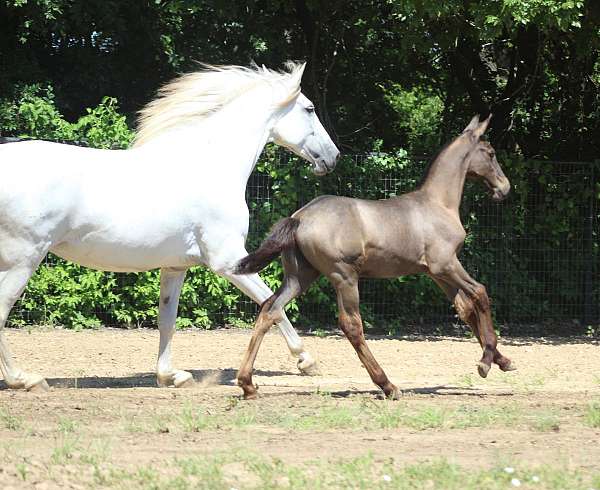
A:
(148, 380)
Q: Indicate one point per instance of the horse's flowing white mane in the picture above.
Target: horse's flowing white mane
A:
(195, 96)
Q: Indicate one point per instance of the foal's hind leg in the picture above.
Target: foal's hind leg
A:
(171, 282)
(299, 274)
(346, 286)
(253, 286)
(12, 284)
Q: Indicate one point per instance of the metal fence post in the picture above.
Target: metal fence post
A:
(588, 278)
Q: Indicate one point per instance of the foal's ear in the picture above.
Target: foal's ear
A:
(473, 124)
(478, 133)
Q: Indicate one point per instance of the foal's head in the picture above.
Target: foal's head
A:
(482, 162)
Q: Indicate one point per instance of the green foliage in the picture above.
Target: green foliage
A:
(542, 203)
(419, 117)
(32, 113)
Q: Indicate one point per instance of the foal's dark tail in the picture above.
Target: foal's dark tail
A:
(282, 236)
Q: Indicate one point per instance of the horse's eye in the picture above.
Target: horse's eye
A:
(310, 109)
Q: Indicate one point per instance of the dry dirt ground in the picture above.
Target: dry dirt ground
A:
(104, 423)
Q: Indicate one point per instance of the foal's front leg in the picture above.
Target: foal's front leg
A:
(171, 282)
(473, 306)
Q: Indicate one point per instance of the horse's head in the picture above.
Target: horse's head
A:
(300, 130)
(482, 162)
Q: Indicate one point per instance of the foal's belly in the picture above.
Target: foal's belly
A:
(106, 256)
(388, 267)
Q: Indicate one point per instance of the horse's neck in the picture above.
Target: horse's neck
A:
(445, 180)
(225, 145)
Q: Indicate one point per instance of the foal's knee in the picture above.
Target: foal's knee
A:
(481, 297)
(464, 307)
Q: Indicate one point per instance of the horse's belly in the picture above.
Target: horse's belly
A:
(106, 257)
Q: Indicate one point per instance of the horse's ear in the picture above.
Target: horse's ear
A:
(301, 70)
(298, 72)
(473, 124)
(478, 133)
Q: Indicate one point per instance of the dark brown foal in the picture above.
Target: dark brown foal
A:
(419, 232)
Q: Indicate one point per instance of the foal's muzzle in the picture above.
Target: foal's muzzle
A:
(499, 192)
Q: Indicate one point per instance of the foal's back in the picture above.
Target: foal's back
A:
(385, 238)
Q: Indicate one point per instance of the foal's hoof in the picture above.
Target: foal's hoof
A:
(250, 392)
(483, 369)
(308, 366)
(393, 393)
(510, 366)
(37, 386)
(177, 379)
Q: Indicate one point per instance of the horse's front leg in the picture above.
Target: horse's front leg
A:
(171, 282)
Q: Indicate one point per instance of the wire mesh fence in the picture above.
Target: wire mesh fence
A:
(537, 252)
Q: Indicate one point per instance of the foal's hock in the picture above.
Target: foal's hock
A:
(419, 232)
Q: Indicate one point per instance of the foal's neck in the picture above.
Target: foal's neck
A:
(446, 176)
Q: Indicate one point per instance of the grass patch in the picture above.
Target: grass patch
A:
(592, 415)
(66, 425)
(10, 421)
(545, 422)
(64, 451)
(325, 418)
(391, 415)
(364, 414)
(244, 469)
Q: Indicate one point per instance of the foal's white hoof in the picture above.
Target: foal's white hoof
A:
(178, 379)
(308, 366)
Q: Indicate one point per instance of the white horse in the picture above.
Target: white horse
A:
(176, 199)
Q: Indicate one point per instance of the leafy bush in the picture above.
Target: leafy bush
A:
(531, 252)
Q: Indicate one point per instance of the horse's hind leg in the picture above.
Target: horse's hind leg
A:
(171, 282)
(11, 286)
(253, 286)
(346, 286)
(299, 274)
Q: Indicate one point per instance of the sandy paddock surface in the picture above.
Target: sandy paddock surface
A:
(104, 423)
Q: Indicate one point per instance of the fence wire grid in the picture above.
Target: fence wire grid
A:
(537, 252)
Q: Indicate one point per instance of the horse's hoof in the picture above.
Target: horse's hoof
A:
(308, 366)
(178, 379)
(183, 379)
(39, 385)
(510, 366)
(483, 369)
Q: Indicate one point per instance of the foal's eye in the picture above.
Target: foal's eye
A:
(310, 109)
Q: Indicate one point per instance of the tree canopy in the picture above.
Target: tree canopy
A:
(393, 73)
